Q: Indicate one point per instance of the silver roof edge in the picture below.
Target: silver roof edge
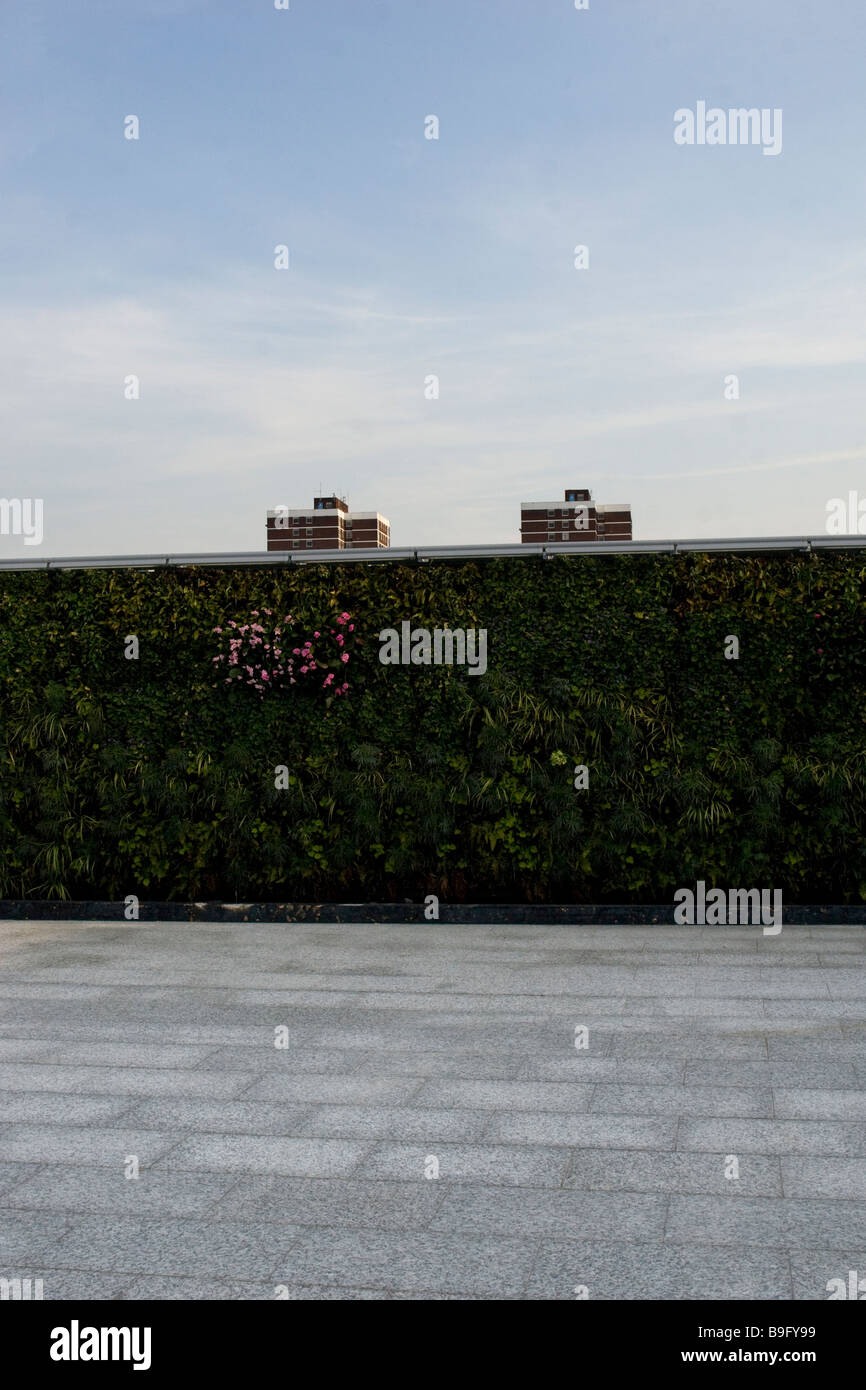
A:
(435, 552)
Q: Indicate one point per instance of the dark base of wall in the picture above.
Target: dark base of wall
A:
(469, 914)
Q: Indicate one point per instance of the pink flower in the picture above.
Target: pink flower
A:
(351, 627)
(317, 634)
(820, 651)
(345, 656)
(264, 675)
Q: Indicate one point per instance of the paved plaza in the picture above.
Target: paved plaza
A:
(290, 1093)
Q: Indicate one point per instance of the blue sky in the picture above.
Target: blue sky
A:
(411, 257)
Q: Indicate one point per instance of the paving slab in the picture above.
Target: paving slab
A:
(824, 1177)
(773, 1136)
(27, 1236)
(571, 1214)
(681, 1100)
(615, 1270)
(83, 1144)
(11, 1174)
(583, 1131)
(326, 1089)
(819, 1104)
(177, 1288)
(506, 1095)
(343, 1204)
(639, 1170)
(585, 1067)
(784, 1222)
(236, 1153)
(445, 1065)
(218, 1116)
(119, 1080)
(524, 1165)
(70, 1053)
(491, 1266)
(396, 1122)
(821, 1074)
(133, 1245)
(45, 1107)
(68, 1189)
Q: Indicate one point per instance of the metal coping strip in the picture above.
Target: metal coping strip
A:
(422, 554)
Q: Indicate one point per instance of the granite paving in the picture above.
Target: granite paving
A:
(431, 1111)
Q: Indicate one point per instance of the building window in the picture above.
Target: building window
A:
(309, 545)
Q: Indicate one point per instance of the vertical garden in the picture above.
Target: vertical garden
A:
(158, 773)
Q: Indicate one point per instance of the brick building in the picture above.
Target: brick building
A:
(577, 518)
(327, 525)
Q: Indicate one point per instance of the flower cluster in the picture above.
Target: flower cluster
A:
(264, 655)
(820, 649)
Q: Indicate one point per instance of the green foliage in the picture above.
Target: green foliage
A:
(150, 777)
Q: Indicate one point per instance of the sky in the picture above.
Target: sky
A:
(411, 258)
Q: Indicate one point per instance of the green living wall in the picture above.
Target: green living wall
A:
(156, 777)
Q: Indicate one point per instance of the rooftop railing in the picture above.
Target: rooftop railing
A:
(422, 554)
